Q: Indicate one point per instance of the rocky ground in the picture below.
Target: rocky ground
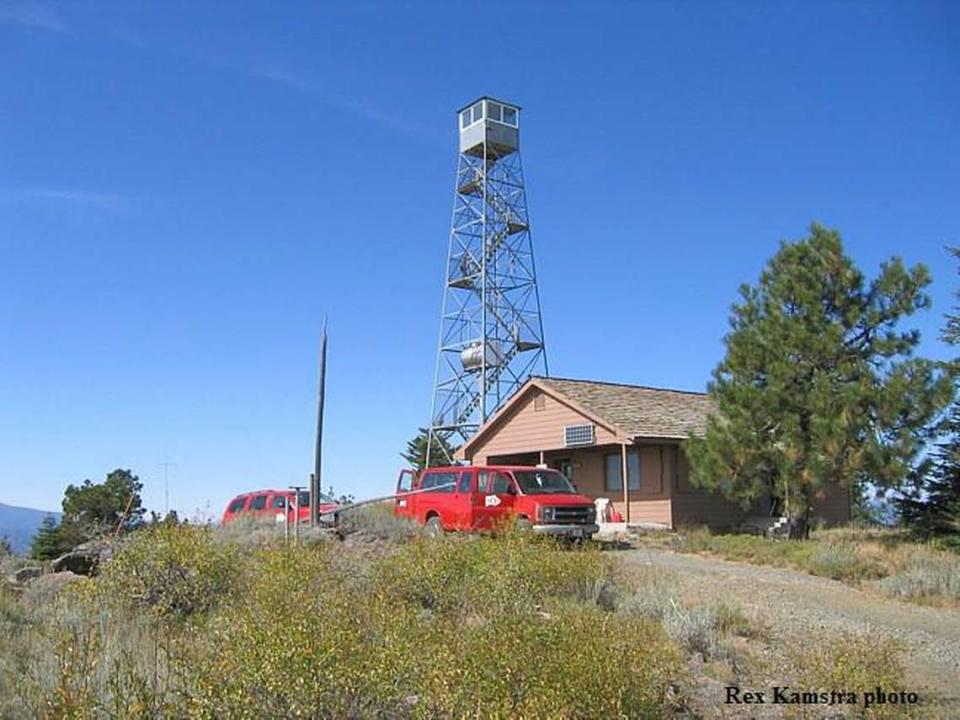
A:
(793, 605)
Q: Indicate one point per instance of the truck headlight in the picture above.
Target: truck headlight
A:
(548, 514)
(591, 513)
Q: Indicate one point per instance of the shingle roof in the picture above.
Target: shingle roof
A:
(639, 411)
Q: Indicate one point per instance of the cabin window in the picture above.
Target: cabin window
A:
(612, 475)
(465, 118)
(466, 480)
(494, 111)
(510, 116)
(259, 502)
(278, 502)
(237, 505)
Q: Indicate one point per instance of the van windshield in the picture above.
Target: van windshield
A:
(542, 482)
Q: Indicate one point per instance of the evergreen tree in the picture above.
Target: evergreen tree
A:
(931, 506)
(49, 542)
(817, 384)
(93, 509)
(441, 453)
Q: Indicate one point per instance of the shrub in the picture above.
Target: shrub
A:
(175, 571)
(698, 630)
(378, 521)
(841, 561)
(484, 627)
(853, 664)
(926, 578)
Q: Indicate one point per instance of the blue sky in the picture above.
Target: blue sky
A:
(187, 189)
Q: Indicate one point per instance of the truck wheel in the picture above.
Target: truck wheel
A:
(523, 525)
(433, 527)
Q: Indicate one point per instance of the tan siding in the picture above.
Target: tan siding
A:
(655, 511)
(588, 477)
(696, 506)
(700, 507)
(525, 429)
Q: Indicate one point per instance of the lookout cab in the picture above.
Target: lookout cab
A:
(491, 124)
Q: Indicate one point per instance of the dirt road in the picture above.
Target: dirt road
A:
(795, 603)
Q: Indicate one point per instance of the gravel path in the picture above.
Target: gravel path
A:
(794, 602)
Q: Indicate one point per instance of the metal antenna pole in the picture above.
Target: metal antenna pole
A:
(166, 465)
(315, 479)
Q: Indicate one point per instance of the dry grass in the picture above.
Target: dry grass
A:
(907, 569)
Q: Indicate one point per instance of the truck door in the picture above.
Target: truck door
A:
(494, 500)
(463, 500)
(404, 504)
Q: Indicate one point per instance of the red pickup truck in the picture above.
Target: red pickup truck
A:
(267, 503)
(478, 498)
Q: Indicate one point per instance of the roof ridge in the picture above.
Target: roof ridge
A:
(616, 384)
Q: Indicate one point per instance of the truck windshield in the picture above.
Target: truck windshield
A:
(542, 482)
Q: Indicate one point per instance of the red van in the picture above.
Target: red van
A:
(276, 503)
(478, 498)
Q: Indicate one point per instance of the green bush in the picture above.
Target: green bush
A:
(185, 624)
(483, 627)
(853, 664)
(378, 521)
(173, 570)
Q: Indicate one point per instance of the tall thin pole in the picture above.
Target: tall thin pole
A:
(296, 516)
(166, 464)
(315, 480)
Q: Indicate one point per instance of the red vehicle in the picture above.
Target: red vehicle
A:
(277, 504)
(478, 498)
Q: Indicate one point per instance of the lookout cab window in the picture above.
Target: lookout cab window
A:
(494, 111)
(509, 116)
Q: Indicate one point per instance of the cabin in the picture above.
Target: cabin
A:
(622, 442)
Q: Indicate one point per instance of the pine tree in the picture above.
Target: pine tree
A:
(50, 541)
(441, 453)
(817, 384)
(931, 506)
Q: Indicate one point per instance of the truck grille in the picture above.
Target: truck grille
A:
(572, 514)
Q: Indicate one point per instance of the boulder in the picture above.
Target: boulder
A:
(51, 583)
(25, 573)
(85, 558)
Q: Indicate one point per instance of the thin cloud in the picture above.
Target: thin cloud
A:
(31, 14)
(104, 202)
(307, 85)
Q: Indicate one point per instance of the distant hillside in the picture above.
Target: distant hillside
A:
(19, 524)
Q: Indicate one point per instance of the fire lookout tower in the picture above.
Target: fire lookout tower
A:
(491, 331)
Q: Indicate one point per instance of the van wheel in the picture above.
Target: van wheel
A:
(433, 527)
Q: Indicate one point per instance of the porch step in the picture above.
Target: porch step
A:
(765, 525)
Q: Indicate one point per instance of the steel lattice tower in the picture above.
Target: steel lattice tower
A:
(491, 331)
